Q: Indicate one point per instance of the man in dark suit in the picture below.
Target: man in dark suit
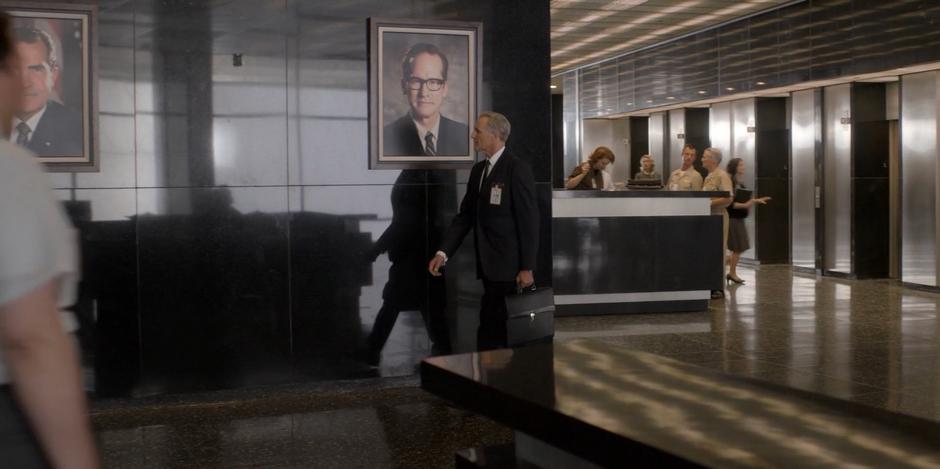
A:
(501, 209)
(41, 124)
(424, 131)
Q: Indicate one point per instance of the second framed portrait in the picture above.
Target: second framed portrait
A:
(423, 83)
(56, 118)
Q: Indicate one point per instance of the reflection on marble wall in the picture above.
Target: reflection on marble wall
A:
(232, 236)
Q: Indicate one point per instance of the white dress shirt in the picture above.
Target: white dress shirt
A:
(493, 159)
(32, 122)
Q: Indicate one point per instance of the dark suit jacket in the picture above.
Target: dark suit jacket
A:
(506, 235)
(59, 132)
(401, 138)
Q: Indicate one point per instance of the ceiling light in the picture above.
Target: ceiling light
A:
(730, 88)
(670, 97)
(666, 12)
(680, 8)
(702, 92)
(553, 86)
(649, 101)
(760, 83)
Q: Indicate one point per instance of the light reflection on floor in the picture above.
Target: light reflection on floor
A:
(870, 341)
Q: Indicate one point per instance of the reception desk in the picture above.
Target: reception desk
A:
(634, 251)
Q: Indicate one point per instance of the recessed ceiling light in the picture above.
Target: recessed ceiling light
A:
(670, 97)
(702, 92)
(649, 100)
(761, 83)
(553, 86)
(730, 88)
(629, 104)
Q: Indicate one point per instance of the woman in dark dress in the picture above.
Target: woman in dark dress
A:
(738, 241)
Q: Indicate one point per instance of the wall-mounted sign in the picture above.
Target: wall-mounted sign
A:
(680, 136)
(751, 128)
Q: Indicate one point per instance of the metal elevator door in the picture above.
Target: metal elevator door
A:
(805, 140)
(837, 189)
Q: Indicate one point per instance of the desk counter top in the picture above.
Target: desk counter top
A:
(595, 194)
(614, 406)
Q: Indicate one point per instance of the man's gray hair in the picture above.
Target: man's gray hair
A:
(716, 153)
(497, 124)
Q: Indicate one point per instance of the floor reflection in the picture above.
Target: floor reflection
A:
(869, 341)
(369, 425)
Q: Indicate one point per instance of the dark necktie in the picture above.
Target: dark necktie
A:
(22, 137)
(429, 149)
(486, 172)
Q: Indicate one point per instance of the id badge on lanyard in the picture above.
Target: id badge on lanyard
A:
(496, 194)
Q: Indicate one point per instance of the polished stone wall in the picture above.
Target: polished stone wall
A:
(230, 237)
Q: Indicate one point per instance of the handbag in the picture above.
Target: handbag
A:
(530, 316)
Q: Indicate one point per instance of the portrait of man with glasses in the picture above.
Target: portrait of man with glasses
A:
(423, 130)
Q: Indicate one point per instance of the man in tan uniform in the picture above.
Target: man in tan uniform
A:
(686, 178)
(718, 180)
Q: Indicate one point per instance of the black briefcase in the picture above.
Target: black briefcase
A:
(530, 317)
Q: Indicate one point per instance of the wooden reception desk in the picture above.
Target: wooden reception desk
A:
(634, 251)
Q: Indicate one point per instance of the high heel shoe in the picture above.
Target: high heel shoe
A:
(729, 278)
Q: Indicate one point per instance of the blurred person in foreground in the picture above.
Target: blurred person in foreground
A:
(43, 413)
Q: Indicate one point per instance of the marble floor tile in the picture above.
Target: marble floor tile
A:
(363, 426)
(872, 342)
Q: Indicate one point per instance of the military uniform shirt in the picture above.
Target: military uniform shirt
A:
(688, 180)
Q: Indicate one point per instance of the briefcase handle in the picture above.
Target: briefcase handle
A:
(530, 288)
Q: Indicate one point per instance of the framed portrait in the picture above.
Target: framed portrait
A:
(423, 82)
(57, 119)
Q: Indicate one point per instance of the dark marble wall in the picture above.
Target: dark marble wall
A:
(871, 213)
(230, 238)
(772, 221)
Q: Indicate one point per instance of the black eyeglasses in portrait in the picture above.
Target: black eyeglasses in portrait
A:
(433, 84)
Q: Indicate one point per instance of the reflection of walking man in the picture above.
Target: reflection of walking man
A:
(406, 242)
(500, 207)
(424, 131)
(41, 124)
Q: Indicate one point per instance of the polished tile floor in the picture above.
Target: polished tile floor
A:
(871, 341)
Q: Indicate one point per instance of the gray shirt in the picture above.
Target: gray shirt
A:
(37, 243)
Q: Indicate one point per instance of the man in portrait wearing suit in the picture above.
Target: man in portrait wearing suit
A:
(501, 209)
(424, 131)
(41, 124)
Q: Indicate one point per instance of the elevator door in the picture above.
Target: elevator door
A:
(837, 190)
(919, 124)
(805, 128)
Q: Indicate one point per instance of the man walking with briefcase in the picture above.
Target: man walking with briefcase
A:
(501, 209)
